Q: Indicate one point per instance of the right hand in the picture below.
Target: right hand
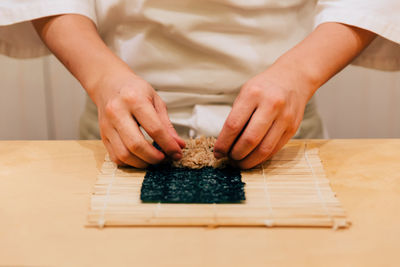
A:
(124, 100)
(125, 103)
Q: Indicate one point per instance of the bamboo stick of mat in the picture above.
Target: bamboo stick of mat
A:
(291, 189)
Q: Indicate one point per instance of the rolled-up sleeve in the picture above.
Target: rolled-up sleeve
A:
(381, 17)
(18, 38)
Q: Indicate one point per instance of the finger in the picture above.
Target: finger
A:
(104, 129)
(180, 141)
(236, 121)
(286, 137)
(253, 134)
(135, 142)
(289, 133)
(148, 118)
(111, 153)
(161, 109)
(265, 148)
(122, 153)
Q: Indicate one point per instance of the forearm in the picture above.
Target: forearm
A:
(326, 51)
(74, 40)
(270, 106)
(124, 101)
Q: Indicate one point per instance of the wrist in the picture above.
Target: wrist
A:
(323, 53)
(106, 82)
(293, 74)
(104, 78)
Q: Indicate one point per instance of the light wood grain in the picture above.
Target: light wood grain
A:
(44, 197)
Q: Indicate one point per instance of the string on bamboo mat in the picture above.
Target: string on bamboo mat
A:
(268, 222)
(291, 189)
(317, 188)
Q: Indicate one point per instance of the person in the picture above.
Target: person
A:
(137, 58)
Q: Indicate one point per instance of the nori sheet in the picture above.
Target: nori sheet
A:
(166, 184)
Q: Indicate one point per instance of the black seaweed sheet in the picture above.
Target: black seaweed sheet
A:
(166, 184)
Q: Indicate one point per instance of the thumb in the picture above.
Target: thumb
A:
(161, 109)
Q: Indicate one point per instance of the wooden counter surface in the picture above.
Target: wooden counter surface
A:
(45, 189)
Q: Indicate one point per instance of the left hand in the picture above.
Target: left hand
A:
(270, 106)
(264, 116)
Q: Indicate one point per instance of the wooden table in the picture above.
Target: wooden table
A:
(45, 189)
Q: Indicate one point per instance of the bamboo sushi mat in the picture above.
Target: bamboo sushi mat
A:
(291, 189)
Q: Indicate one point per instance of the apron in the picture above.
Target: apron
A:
(198, 54)
(311, 126)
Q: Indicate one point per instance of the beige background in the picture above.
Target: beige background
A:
(41, 100)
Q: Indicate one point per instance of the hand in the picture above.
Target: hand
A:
(124, 100)
(123, 104)
(264, 116)
(270, 107)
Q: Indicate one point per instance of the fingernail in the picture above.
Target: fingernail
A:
(218, 155)
(177, 156)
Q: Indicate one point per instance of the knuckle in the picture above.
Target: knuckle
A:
(136, 146)
(155, 131)
(112, 108)
(255, 91)
(266, 149)
(233, 126)
(124, 155)
(130, 97)
(250, 141)
(137, 107)
(278, 102)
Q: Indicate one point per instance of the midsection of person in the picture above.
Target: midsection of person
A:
(201, 52)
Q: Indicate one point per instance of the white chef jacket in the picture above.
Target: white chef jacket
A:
(197, 54)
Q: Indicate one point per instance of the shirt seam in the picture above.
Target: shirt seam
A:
(37, 10)
(381, 27)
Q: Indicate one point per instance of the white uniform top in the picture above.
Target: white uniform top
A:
(197, 54)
